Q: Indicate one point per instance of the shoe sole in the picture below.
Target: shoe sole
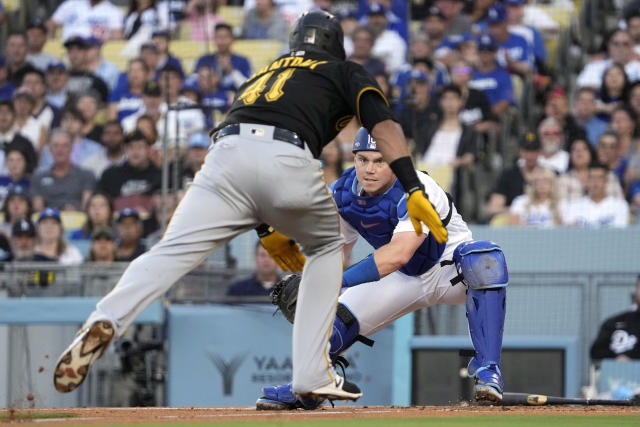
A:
(264, 404)
(329, 392)
(487, 394)
(73, 366)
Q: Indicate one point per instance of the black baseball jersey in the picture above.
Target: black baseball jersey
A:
(618, 336)
(308, 92)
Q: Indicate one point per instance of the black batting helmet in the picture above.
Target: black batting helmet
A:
(318, 29)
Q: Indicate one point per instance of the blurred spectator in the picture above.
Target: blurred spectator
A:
(478, 14)
(596, 209)
(160, 38)
(614, 91)
(51, 244)
(265, 21)
(584, 114)
(332, 163)
(80, 78)
(476, 111)
(23, 241)
(142, 18)
(63, 186)
(619, 50)
(573, 184)
(147, 125)
(184, 117)
(418, 111)
(348, 22)
(171, 12)
(126, 99)
(36, 39)
(511, 182)
(618, 335)
(557, 106)
(633, 27)
(17, 170)
(152, 226)
(26, 124)
(57, 78)
(89, 106)
(631, 180)
(99, 211)
(537, 17)
(552, 156)
(492, 79)
(608, 150)
(45, 114)
(515, 16)
(538, 207)
(132, 183)
(16, 206)
(151, 56)
(16, 56)
(151, 102)
(434, 26)
(457, 22)
(514, 52)
(362, 45)
(129, 231)
(197, 149)
(203, 17)
(261, 282)
(103, 246)
(234, 69)
(99, 18)
(105, 70)
(6, 87)
(112, 139)
(388, 45)
(85, 152)
(623, 123)
(10, 137)
(215, 99)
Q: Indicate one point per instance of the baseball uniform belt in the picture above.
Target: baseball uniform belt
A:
(278, 134)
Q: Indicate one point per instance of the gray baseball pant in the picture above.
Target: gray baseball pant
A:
(248, 179)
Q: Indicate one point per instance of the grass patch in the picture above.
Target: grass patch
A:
(17, 415)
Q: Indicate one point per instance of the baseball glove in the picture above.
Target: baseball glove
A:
(285, 295)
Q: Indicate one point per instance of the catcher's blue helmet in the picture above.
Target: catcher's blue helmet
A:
(364, 141)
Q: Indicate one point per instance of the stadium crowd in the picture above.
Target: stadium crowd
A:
(475, 86)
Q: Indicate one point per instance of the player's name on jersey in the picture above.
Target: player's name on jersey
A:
(290, 61)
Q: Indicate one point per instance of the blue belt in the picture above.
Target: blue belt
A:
(278, 134)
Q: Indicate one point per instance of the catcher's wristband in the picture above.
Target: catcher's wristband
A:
(264, 230)
(406, 174)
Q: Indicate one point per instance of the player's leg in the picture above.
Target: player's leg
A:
(203, 221)
(485, 273)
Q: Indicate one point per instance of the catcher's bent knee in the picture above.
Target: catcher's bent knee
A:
(481, 264)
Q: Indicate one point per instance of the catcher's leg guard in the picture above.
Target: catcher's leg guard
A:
(484, 271)
(345, 332)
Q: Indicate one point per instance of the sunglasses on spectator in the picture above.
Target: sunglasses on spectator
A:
(461, 70)
(550, 133)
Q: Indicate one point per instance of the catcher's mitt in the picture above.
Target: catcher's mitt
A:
(285, 295)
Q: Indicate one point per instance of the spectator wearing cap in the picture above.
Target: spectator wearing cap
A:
(234, 69)
(184, 116)
(132, 183)
(584, 114)
(515, 16)
(80, 78)
(45, 114)
(23, 241)
(36, 39)
(388, 45)
(10, 137)
(492, 79)
(99, 18)
(434, 26)
(160, 38)
(620, 50)
(103, 246)
(129, 232)
(27, 125)
(107, 71)
(265, 21)
(50, 241)
(215, 99)
(63, 186)
(126, 99)
(151, 57)
(419, 108)
(457, 21)
(515, 54)
(151, 102)
(197, 149)
(142, 18)
(57, 78)
(16, 55)
(16, 206)
(18, 172)
(6, 87)
(362, 45)
(203, 17)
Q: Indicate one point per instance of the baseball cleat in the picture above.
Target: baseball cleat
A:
(340, 389)
(472, 367)
(281, 398)
(489, 384)
(74, 363)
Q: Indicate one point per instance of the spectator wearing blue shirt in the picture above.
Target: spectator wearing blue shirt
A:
(6, 87)
(215, 99)
(584, 112)
(161, 39)
(234, 69)
(492, 79)
(514, 53)
(437, 73)
(261, 282)
(515, 15)
(126, 99)
(106, 70)
(56, 78)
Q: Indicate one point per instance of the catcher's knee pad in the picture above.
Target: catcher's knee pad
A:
(345, 330)
(484, 271)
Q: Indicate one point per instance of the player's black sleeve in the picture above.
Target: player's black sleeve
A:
(600, 347)
(374, 109)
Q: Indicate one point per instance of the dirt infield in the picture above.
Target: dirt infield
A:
(115, 416)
